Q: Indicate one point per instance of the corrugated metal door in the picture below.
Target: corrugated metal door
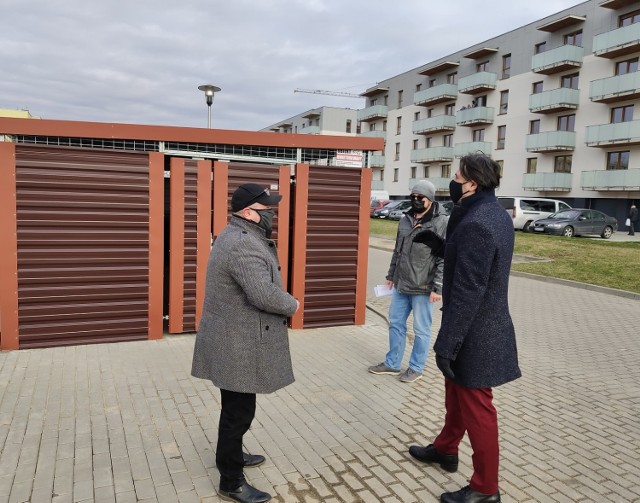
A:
(330, 242)
(84, 260)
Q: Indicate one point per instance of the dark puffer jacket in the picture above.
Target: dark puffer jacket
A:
(413, 269)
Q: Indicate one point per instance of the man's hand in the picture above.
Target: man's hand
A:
(431, 239)
(435, 297)
(444, 364)
(389, 284)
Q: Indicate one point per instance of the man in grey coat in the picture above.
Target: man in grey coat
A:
(476, 345)
(242, 344)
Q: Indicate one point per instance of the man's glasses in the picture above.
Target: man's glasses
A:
(417, 197)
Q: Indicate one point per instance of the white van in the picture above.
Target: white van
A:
(524, 210)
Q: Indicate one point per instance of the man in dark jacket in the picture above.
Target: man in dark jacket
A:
(242, 344)
(415, 274)
(633, 218)
(476, 345)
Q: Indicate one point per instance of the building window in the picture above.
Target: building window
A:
(452, 78)
(506, 66)
(482, 67)
(450, 109)
(532, 165)
(348, 126)
(570, 81)
(481, 101)
(567, 122)
(416, 116)
(384, 125)
(622, 114)
(536, 87)
(447, 140)
(478, 135)
(395, 174)
(400, 98)
(445, 171)
(358, 128)
(398, 125)
(504, 101)
(382, 175)
(618, 160)
(374, 102)
(425, 171)
(427, 142)
(541, 47)
(413, 171)
(534, 126)
(429, 113)
(418, 87)
(372, 126)
(397, 157)
(415, 145)
(501, 164)
(502, 136)
(562, 164)
(630, 18)
(574, 38)
(432, 82)
(627, 66)
(386, 100)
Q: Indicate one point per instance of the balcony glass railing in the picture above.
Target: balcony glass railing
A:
(566, 55)
(377, 161)
(437, 123)
(614, 179)
(374, 112)
(310, 130)
(432, 154)
(551, 141)
(438, 182)
(554, 99)
(477, 81)
(547, 181)
(624, 86)
(377, 184)
(620, 133)
(475, 115)
(374, 134)
(614, 40)
(472, 147)
(442, 92)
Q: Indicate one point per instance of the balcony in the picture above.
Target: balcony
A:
(432, 154)
(618, 42)
(310, 130)
(475, 116)
(435, 95)
(618, 88)
(435, 124)
(609, 135)
(373, 113)
(613, 179)
(556, 60)
(558, 182)
(377, 184)
(477, 83)
(555, 100)
(472, 147)
(551, 141)
(377, 161)
(441, 184)
(377, 133)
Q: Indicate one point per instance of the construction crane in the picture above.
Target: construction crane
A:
(328, 93)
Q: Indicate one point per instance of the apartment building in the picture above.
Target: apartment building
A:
(324, 120)
(555, 102)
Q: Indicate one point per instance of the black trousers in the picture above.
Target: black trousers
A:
(238, 411)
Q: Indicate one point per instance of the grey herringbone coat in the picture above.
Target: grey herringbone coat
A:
(242, 343)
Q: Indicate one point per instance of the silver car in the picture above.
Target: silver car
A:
(576, 222)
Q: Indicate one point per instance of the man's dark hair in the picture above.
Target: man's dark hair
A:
(481, 169)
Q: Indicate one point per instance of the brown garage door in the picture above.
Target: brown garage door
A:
(83, 256)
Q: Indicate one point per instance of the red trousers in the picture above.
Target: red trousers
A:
(471, 410)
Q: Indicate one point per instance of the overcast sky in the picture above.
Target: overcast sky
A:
(141, 61)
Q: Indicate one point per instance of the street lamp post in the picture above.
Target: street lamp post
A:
(209, 90)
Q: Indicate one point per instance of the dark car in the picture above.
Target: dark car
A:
(576, 222)
(377, 204)
(393, 205)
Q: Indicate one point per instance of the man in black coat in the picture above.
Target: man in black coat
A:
(633, 218)
(476, 345)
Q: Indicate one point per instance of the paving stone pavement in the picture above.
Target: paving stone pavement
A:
(126, 422)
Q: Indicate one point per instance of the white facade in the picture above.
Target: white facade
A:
(323, 120)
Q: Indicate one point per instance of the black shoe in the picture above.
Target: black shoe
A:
(468, 495)
(245, 494)
(429, 454)
(251, 460)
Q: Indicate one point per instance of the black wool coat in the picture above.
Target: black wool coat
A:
(476, 330)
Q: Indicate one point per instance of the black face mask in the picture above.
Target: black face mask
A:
(417, 205)
(266, 220)
(455, 191)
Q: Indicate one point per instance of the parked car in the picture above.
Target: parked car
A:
(377, 204)
(524, 210)
(384, 212)
(576, 222)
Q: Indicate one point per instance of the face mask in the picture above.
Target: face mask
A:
(417, 205)
(455, 191)
(266, 220)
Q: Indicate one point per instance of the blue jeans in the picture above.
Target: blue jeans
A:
(401, 305)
